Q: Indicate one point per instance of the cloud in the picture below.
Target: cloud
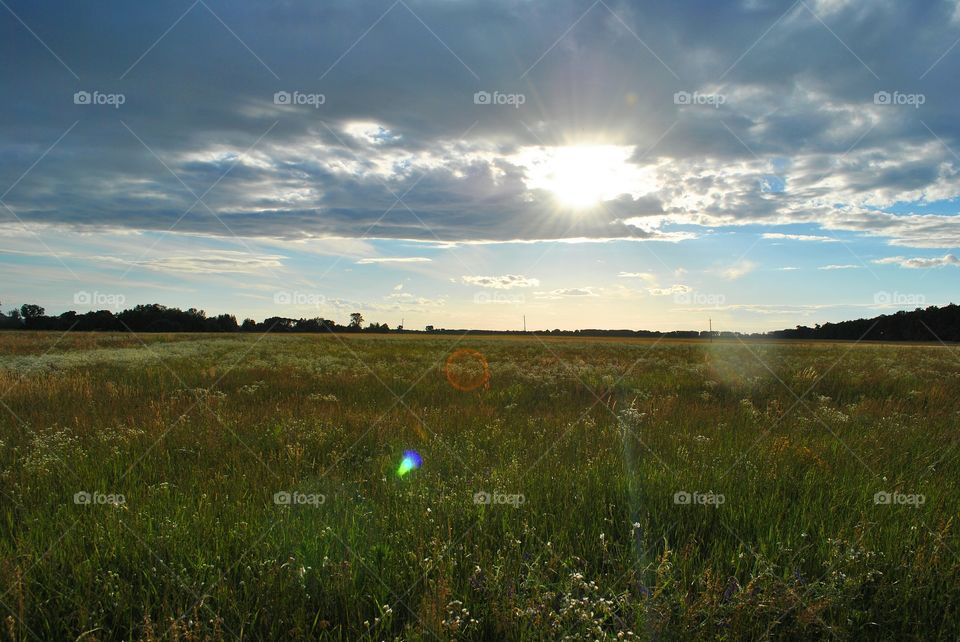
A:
(401, 259)
(566, 292)
(405, 300)
(399, 161)
(674, 289)
(798, 237)
(209, 262)
(643, 276)
(738, 269)
(921, 263)
(505, 282)
(839, 267)
(808, 143)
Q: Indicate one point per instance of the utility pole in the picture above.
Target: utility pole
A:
(711, 330)
(524, 324)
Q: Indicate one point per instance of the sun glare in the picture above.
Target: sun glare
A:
(582, 176)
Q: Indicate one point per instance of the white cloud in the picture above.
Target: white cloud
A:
(839, 267)
(920, 263)
(644, 276)
(738, 269)
(404, 299)
(404, 259)
(674, 289)
(504, 282)
(208, 262)
(566, 292)
(799, 237)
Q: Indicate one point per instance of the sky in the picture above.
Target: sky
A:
(466, 163)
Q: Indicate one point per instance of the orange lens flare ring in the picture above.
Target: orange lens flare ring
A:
(467, 370)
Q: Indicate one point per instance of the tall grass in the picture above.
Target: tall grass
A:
(584, 447)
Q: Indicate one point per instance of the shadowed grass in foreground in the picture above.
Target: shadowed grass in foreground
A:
(198, 487)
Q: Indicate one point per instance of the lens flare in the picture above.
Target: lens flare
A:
(411, 461)
(467, 370)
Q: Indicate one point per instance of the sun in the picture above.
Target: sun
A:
(583, 176)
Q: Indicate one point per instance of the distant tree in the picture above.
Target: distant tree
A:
(33, 316)
(31, 311)
(356, 320)
(278, 324)
(10, 321)
(249, 325)
(222, 323)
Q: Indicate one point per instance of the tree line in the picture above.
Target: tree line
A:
(923, 324)
(153, 317)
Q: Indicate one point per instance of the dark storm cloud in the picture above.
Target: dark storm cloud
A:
(797, 80)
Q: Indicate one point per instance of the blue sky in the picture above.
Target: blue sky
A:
(464, 163)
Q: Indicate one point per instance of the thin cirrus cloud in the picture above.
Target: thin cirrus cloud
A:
(643, 276)
(397, 259)
(920, 263)
(209, 262)
(798, 237)
(504, 282)
(678, 288)
(561, 293)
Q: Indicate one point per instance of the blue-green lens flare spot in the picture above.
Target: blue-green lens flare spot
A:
(411, 461)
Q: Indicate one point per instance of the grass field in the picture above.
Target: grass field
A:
(247, 487)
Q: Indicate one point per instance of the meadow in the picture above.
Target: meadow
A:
(225, 487)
